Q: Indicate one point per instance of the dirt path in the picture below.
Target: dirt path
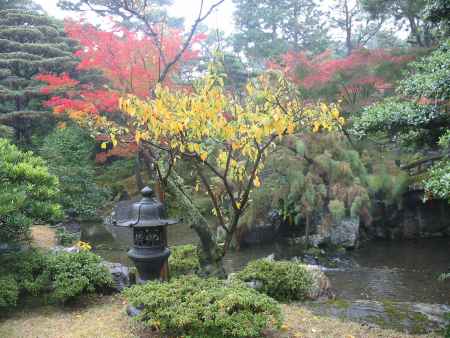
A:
(43, 237)
(104, 317)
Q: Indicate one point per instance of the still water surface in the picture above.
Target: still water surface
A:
(405, 271)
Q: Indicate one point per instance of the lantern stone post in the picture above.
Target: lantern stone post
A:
(149, 252)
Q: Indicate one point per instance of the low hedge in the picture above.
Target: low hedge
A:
(9, 292)
(196, 307)
(282, 280)
(62, 276)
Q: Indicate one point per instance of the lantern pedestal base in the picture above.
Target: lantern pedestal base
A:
(148, 262)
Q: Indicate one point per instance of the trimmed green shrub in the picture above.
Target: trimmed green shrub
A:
(196, 307)
(75, 274)
(9, 292)
(183, 260)
(64, 276)
(29, 269)
(282, 280)
(28, 192)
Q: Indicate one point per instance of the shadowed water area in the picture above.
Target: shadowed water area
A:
(405, 271)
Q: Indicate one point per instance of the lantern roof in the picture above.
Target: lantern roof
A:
(148, 212)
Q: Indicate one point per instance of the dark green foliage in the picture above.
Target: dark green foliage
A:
(409, 123)
(66, 238)
(183, 260)
(111, 176)
(196, 307)
(284, 281)
(63, 276)
(75, 274)
(68, 152)
(438, 12)
(29, 271)
(418, 118)
(30, 43)
(28, 192)
(9, 292)
(437, 180)
(430, 77)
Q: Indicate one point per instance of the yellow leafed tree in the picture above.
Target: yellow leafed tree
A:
(226, 139)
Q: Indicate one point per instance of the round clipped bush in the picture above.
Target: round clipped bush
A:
(183, 260)
(28, 192)
(63, 276)
(9, 292)
(282, 280)
(196, 307)
(75, 274)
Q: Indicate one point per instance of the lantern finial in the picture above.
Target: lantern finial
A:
(147, 192)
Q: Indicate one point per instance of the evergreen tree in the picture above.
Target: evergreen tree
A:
(268, 28)
(30, 43)
(25, 4)
(409, 12)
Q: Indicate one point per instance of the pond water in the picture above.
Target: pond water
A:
(405, 271)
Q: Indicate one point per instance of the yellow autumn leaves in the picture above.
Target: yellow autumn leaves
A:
(211, 125)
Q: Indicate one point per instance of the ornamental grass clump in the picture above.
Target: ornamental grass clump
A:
(282, 280)
(196, 307)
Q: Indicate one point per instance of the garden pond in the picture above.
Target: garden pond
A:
(380, 270)
(383, 282)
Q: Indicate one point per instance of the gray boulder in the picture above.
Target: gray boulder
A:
(120, 275)
(345, 233)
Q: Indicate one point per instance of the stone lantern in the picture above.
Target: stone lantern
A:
(149, 251)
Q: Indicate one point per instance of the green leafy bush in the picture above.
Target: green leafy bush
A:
(282, 280)
(9, 292)
(29, 269)
(198, 307)
(75, 274)
(28, 192)
(68, 152)
(64, 276)
(183, 260)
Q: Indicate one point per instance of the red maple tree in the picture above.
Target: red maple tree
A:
(343, 77)
(130, 62)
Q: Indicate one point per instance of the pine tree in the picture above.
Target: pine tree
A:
(268, 28)
(30, 43)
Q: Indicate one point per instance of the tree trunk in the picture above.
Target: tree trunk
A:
(137, 172)
(307, 230)
(210, 254)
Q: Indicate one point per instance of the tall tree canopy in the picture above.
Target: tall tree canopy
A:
(148, 17)
(358, 28)
(30, 43)
(418, 119)
(24, 4)
(268, 28)
(409, 12)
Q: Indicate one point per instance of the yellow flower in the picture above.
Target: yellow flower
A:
(84, 246)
